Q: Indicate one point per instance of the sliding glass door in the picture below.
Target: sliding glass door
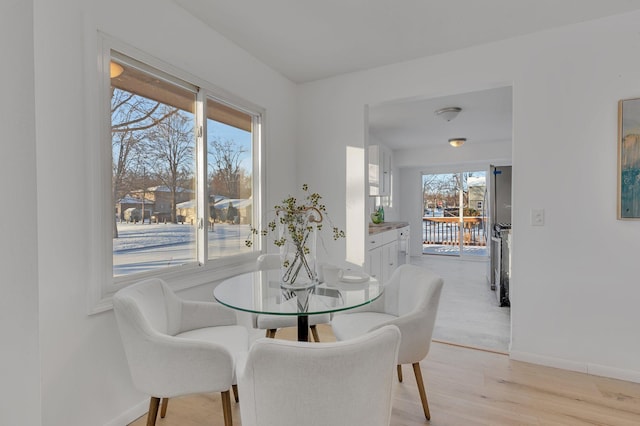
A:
(453, 222)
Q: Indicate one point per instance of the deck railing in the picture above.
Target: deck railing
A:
(446, 230)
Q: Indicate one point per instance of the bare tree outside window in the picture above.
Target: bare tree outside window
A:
(170, 145)
(131, 118)
(226, 178)
(439, 192)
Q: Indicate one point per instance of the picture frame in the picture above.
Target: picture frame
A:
(628, 192)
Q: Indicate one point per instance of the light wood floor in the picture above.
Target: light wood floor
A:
(470, 387)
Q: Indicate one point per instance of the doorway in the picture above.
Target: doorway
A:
(417, 135)
(454, 219)
(456, 240)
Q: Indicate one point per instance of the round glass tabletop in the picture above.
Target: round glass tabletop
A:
(260, 292)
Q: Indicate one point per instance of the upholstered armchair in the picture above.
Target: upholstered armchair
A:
(410, 301)
(271, 323)
(176, 347)
(348, 383)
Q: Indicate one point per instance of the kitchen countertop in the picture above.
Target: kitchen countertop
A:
(385, 226)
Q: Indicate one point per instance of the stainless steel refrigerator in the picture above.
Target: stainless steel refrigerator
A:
(499, 197)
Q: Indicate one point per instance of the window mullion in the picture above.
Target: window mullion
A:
(202, 196)
(259, 174)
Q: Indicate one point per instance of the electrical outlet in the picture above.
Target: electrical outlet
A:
(537, 217)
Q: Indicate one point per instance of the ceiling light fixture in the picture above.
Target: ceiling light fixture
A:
(115, 69)
(456, 142)
(449, 113)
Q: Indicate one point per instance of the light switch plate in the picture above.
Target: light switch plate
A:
(537, 217)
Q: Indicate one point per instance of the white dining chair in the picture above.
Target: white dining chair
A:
(350, 383)
(176, 347)
(410, 301)
(271, 323)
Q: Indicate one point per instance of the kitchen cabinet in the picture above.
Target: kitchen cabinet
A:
(380, 262)
(383, 253)
(380, 161)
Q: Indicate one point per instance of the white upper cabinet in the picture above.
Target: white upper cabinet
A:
(380, 158)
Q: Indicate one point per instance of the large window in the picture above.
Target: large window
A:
(184, 172)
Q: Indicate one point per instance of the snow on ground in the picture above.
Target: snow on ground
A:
(143, 247)
(143, 236)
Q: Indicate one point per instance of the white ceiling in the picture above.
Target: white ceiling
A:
(310, 40)
(485, 117)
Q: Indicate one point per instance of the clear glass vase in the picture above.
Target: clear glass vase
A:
(298, 252)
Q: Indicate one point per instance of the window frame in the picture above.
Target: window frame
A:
(98, 166)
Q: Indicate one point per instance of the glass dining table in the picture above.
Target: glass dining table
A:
(260, 292)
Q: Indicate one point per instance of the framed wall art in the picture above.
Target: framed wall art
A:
(629, 159)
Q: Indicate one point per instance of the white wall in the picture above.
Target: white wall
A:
(85, 380)
(574, 282)
(19, 356)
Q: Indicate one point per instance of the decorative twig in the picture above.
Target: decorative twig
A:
(297, 222)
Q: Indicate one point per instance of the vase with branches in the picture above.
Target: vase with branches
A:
(297, 224)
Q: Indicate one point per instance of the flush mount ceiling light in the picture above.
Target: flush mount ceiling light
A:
(115, 69)
(448, 113)
(456, 142)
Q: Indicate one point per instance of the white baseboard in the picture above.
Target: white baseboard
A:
(614, 373)
(582, 367)
(130, 415)
(548, 361)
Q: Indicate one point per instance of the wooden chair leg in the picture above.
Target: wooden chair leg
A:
(153, 411)
(314, 332)
(163, 407)
(423, 394)
(400, 373)
(235, 392)
(226, 408)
